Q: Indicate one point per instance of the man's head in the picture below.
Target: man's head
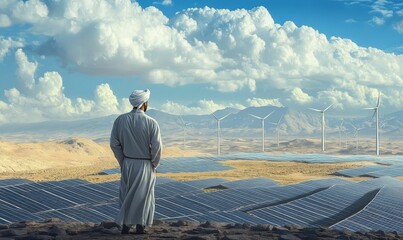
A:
(139, 99)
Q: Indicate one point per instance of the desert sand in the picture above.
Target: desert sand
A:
(85, 159)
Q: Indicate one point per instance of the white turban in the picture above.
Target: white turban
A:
(139, 97)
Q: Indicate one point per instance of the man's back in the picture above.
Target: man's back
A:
(136, 135)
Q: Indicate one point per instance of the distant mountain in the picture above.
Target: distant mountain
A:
(294, 122)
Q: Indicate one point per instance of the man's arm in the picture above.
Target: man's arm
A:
(115, 144)
(156, 145)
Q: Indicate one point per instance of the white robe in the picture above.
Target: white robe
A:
(136, 144)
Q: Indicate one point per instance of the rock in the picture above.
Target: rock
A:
(179, 223)
(18, 225)
(165, 230)
(9, 233)
(206, 224)
(380, 233)
(3, 226)
(194, 238)
(289, 237)
(55, 231)
(114, 230)
(308, 236)
(157, 222)
(209, 231)
(109, 225)
(72, 232)
(52, 220)
(259, 227)
(294, 227)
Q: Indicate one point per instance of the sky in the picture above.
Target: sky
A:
(66, 59)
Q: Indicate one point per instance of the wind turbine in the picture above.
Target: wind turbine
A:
(184, 125)
(376, 114)
(323, 123)
(278, 129)
(340, 128)
(219, 131)
(262, 119)
(356, 130)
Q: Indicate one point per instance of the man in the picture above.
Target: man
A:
(136, 144)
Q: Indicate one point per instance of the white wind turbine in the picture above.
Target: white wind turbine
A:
(323, 123)
(376, 114)
(262, 119)
(340, 129)
(219, 131)
(184, 126)
(278, 129)
(356, 130)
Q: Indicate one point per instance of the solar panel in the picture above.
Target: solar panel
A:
(13, 181)
(323, 208)
(83, 214)
(355, 172)
(20, 201)
(162, 180)
(392, 171)
(205, 183)
(384, 212)
(110, 171)
(227, 217)
(9, 215)
(171, 189)
(250, 183)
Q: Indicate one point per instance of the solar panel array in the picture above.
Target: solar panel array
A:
(392, 171)
(384, 212)
(211, 163)
(328, 202)
(355, 172)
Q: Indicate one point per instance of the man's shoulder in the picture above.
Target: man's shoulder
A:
(150, 119)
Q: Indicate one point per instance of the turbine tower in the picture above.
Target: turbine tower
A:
(376, 114)
(323, 123)
(340, 128)
(262, 119)
(278, 129)
(184, 125)
(219, 131)
(356, 130)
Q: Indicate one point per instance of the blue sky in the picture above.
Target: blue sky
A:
(78, 59)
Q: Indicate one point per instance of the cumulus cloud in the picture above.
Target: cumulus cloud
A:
(378, 21)
(8, 43)
(166, 2)
(43, 99)
(227, 51)
(201, 107)
(399, 26)
(260, 102)
(299, 96)
(13, 12)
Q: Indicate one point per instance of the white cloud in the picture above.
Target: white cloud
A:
(299, 96)
(260, 102)
(378, 21)
(166, 2)
(6, 44)
(228, 51)
(44, 99)
(350, 20)
(13, 12)
(399, 26)
(201, 107)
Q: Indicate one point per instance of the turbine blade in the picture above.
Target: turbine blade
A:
(269, 114)
(373, 115)
(379, 99)
(369, 108)
(328, 107)
(281, 118)
(316, 110)
(254, 116)
(225, 116)
(215, 116)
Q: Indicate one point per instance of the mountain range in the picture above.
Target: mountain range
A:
(293, 122)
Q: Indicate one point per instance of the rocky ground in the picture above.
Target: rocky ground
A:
(56, 229)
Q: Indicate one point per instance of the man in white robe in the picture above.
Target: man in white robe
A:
(136, 144)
